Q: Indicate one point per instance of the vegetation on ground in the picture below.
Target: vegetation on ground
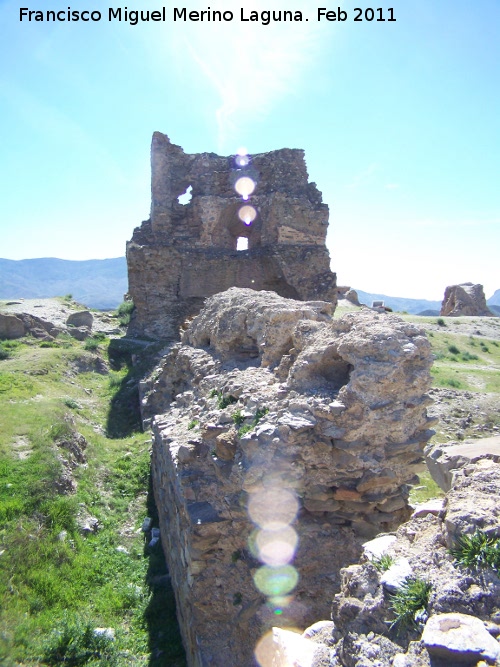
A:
(383, 563)
(409, 604)
(60, 581)
(477, 551)
(124, 312)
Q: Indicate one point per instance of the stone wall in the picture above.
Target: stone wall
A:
(281, 437)
(187, 252)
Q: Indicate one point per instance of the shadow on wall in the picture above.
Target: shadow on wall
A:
(165, 643)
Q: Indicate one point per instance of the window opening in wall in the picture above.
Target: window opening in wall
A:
(186, 197)
(242, 243)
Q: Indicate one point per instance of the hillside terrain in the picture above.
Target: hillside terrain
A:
(82, 578)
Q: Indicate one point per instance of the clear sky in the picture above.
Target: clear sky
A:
(400, 122)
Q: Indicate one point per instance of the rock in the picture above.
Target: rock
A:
(396, 575)
(239, 325)
(79, 333)
(317, 628)
(11, 327)
(289, 649)
(459, 637)
(376, 548)
(434, 506)
(472, 502)
(465, 299)
(146, 524)
(82, 318)
(191, 249)
(107, 633)
(443, 462)
(352, 296)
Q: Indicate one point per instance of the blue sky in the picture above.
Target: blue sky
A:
(400, 122)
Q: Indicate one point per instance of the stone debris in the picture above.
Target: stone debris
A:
(269, 400)
(362, 608)
(465, 299)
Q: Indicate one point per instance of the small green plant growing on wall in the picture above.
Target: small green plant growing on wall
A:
(383, 563)
(477, 551)
(409, 604)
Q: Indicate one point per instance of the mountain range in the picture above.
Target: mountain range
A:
(97, 283)
(101, 284)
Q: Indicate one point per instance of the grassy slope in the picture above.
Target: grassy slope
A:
(57, 585)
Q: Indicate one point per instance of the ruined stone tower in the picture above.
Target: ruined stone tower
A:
(187, 252)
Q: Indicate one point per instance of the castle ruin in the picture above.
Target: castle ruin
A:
(187, 252)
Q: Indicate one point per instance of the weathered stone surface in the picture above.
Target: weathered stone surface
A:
(472, 503)
(434, 506)
(444, 461)
(82, 318)
(460, 638)
(185, 253)
(395, 576)
(11, 327)
(465, 299)
(79, 333)
(346, 409)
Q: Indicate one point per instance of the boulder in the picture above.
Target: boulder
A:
(465, 299)
(82, 318)
(11, 327)
(459, 638)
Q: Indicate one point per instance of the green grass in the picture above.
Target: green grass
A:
(246, 428)
(124, 312)
(425, 490)
(56, 584)
(477, 551)
(383, 563)
(465, 362)
(409, 604)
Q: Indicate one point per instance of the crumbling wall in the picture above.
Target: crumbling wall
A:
(187, 252)
(281, 438)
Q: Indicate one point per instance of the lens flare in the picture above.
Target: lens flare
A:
(276, 547)
(242, 160)
(265, 650)
(276, 581)
(244, 186)
(247, 214)
(273, 509)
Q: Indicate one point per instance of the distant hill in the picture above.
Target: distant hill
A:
(101, 283)
(495, 299)
(400, 304)
(97, 283)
